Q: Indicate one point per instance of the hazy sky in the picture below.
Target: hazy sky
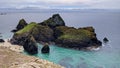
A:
(61, 4)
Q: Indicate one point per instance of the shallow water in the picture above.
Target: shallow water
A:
(106, 24)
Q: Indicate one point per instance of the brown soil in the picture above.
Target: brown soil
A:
(12, 59)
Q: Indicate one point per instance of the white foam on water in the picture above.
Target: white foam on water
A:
(96, 49)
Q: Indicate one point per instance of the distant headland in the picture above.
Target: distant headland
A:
(3, 13)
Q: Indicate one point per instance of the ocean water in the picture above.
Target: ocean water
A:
(106, 24)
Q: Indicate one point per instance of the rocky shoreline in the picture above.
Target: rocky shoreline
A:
(16, 48)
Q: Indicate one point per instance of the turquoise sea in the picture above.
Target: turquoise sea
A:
(106, 24)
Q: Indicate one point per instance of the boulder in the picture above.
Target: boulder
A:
(105, 40)
(30, 45)
(54, 21)
(45, 49)
(71, 37)
(1, 41)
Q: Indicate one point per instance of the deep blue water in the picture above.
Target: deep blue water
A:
(106, 24)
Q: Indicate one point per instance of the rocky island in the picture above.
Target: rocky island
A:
(53, 30)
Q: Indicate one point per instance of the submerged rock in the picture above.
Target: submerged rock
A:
(14, 30)
(22, 23)
(1, 41)
(30, 45)
(105, 40)
(66, 62)
(54, 21)
(45, 49)
(82, 65)
(76, 38)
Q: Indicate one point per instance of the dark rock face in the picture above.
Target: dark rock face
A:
(45, 49)
(54, 21)
(76, 38)
(39, 32)
(22, 23)
(1, 40)
(27, 41)
(30, 45)
(18, 39)
(43, 33)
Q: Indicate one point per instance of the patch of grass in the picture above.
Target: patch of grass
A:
(27, 28)
(76, 34)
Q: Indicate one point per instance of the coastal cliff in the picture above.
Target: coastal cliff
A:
(12, 59)
(55, 30)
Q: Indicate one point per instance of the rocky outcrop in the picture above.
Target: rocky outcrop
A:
(54, 21)
(45, 49)
(39, 32)
(76, 38)
(1, 41)
(42, 33)
(22, 23)
(30, 45)
(18, 39)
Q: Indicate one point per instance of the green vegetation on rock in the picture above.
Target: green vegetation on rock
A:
(74, 34)
(27, 28)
